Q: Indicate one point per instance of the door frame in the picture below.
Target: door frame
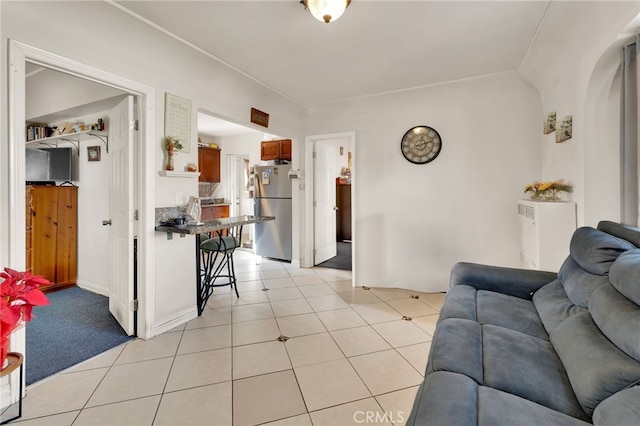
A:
(19, 54)
(309, 218)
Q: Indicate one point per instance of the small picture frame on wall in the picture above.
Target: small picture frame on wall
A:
(93, 153)
(550, 123)
(564, 130)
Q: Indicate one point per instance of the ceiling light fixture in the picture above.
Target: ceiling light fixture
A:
(326, 10)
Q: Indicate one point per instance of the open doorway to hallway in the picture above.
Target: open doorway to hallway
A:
(241, 154)
(28, 61)
(332, 202)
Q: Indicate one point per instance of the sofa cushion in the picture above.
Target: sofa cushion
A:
(553, 305)
(625, 275)
(453, 399)
(497, 408)
(595, 250)
(445, 399)
(578, 283)
(618, 318)
(457, 347)
(596, 367)
(620, 409)
(509, 312)
(528, 367)
(489, 307)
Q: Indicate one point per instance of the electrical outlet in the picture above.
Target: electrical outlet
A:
(301, 187)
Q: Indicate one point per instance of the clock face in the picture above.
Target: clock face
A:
(421, 144)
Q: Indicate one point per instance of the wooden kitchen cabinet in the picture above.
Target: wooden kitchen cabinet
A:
(285, 149)
(214, 212)
(209, 164)
(275, 150)
(52, 238)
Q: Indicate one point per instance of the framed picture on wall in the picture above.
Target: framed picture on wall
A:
(564, 130)
(550, 123)
(177, 119)
(93, 153)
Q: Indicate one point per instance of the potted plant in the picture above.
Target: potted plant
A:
(550, 191)
(171, 144)
(19, 293)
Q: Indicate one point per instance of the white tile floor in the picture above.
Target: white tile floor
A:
(350, 359)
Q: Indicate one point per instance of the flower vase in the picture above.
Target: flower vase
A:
(553, 195)
(169, 165)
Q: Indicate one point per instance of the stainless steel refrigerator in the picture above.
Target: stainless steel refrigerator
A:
(272, 197)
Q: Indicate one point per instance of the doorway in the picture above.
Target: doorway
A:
(330, 164)
(20, 55)
(97, 239)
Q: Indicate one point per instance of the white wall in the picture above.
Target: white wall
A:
(413, 222)
(95, 36)
(573, 63)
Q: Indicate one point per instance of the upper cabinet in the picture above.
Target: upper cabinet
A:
(209, 164)
(275, 150)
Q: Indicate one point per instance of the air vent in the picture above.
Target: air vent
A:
(526, 211)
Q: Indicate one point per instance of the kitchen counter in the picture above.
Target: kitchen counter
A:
(212, 225)
(215, 263)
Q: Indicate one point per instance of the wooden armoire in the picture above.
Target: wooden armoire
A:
(52, 233)
(343, 214)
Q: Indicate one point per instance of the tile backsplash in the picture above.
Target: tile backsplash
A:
(206, 189)
(165, 214)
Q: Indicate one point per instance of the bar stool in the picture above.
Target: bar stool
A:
(217, 261)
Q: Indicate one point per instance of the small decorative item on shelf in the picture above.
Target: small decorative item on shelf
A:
(548, 191)
(171, 144)
(19, 293)
(191, 167)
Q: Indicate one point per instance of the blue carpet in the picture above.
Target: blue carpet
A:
(76, 326)
(342, 260)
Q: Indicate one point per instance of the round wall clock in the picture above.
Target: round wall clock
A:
(421, 144)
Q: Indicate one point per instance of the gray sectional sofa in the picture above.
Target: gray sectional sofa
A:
(521, 347)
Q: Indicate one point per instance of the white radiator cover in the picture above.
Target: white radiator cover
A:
(546, 228)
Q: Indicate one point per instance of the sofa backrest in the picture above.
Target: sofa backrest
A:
(592, 252)
(600, 348)
(625, 232)
(615, 307)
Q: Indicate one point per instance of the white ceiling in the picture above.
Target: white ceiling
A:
(376, 47)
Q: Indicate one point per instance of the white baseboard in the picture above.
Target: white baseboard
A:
(169, 323)
(93, 287)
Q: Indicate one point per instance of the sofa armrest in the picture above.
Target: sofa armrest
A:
(514, 282)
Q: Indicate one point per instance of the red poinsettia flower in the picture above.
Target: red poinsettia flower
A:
(19, 293)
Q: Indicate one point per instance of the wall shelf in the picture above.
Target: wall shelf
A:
(171, 173)
(73, 138)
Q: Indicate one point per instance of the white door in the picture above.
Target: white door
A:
(324, 192)
(235, 183)
(121, 210)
